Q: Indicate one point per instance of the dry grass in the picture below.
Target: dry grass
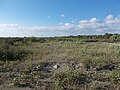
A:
(95, 55)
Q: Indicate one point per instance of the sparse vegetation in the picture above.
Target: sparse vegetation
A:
(85, 62)
(67, 79)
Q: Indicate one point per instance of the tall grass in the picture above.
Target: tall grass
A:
(9, 52)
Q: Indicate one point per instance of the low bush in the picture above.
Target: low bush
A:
(12, 53)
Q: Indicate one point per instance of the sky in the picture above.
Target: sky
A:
(49, 18)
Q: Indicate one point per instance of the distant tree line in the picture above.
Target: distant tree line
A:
(87, 38)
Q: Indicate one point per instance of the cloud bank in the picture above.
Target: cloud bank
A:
(93, 26)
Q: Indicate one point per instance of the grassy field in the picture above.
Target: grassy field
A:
(64, 63)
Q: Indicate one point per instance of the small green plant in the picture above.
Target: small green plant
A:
(69, 78)
(115, 76)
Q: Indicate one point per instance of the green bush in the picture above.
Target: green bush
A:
(12, 54)
(9, 52)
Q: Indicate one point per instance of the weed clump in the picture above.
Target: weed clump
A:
(115, 76)
(9, 52)
(68, 79)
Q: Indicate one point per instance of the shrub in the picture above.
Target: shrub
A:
(12, 53)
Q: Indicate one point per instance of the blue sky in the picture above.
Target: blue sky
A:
(58, 17)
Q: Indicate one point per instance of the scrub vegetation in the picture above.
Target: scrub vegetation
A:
(88, 62)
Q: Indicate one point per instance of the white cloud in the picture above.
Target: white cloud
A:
(109, 17)
(92, 26)
(62, 15)
(109, 24)
(8, 25)
(67, 24)
(94, 20)
(83, 22)
(110, 20)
